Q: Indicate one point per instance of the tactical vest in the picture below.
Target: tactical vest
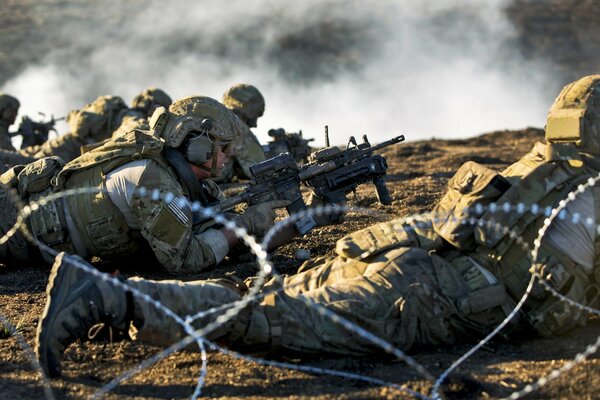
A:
(541, 177)
(102, 227)
(537, 179)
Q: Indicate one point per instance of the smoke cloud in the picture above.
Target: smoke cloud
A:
(428, 68)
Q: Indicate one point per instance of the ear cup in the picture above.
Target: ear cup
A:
(199, 149)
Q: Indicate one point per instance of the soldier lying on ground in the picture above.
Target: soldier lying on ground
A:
(187, 145)
(249, 105)
(413, 283)
(95, 123)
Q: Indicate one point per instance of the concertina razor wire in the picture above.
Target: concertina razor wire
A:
(228, 311)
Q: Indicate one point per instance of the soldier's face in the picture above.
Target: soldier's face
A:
(202, 173)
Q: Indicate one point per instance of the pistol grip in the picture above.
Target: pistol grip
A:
(383, 194)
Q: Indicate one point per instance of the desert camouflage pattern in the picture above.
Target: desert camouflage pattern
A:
(95, 123)
(246, 101)
(150, 99)
(167, 229)
(247, 151)
(186, 115)
(405, 296)
(398, 280)
(574, 117)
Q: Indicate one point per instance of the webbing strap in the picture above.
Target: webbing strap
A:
(274, 320)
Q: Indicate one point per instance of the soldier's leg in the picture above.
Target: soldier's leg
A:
(78, 300)
(184, 299)
(404, 296)
(322, 271)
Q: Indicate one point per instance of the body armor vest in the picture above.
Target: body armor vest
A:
(101, 225)
(536, 180)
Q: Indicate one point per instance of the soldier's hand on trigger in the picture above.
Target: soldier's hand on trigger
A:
(259, 218)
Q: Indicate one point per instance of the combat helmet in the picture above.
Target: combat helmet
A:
(246, 101)
(97, 120)
(8, 102)
(150, 99)
(574, 117)
(197, 125)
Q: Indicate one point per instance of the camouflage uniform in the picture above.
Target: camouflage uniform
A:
(93, 123)
(249, 105)
(9, 107)
(119, 221)
(416, 282)
(142, 107)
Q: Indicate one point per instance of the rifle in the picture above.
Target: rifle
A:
(34, 132)
(274, 179)
(331, 174)
(285, 142)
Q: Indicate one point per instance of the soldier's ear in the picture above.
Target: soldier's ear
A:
(158, 120)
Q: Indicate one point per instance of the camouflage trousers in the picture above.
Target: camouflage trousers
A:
(405, 296)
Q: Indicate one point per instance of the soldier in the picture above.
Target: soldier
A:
(9, 108)
(188, 144)
(249, 105)
(142, 107)
(149, 100)
(414, 283)
(93, 125)
(94, 122)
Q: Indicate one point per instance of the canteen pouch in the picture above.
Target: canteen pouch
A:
(473, 186)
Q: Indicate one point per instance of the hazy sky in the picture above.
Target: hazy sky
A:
(419, 68)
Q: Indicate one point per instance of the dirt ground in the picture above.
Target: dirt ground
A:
(418, 173)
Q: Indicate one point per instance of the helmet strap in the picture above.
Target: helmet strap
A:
(215, 149)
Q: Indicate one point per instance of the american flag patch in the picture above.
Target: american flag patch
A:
(179, 207)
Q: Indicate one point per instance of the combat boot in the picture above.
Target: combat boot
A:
(76, 301)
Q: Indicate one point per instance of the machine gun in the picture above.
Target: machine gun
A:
(34, 132)
(274, 179)
(332, 173)
(285, 142)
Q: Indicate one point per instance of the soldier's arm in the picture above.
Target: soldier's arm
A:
(67, 147)
(402, 232)
(167, 225)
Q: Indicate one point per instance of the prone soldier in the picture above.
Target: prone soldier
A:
(187, 145)
(288, 142)
(249, 105)
(415, 283)
(93, 125)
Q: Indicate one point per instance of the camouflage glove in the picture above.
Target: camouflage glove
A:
(259, 218)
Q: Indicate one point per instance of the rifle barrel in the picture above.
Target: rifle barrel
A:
(381, 145)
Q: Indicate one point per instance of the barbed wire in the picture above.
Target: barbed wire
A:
(227, 312)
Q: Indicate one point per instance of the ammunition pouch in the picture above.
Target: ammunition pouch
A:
(550, 315)
(470, 189)
(37, 176)
(486, 303)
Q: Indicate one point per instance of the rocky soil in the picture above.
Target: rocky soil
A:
(418, 174)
